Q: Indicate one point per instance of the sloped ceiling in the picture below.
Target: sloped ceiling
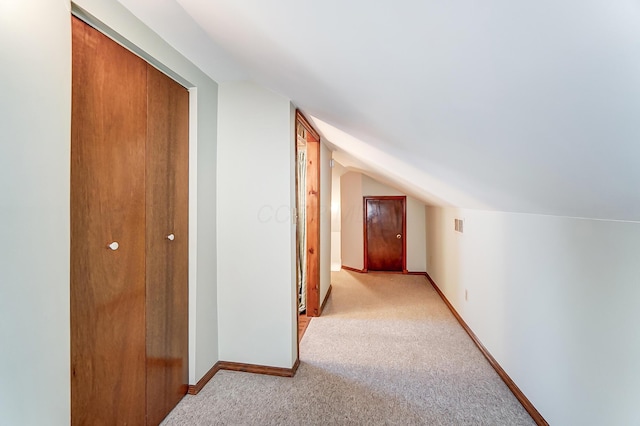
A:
(527, 106)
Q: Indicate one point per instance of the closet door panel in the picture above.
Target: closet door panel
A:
(167, 244)
(107, 205)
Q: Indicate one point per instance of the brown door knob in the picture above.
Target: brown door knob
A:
(398, 236)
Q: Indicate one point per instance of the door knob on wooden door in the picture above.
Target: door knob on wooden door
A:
(114, 246)
(398, 236)
(171, 237)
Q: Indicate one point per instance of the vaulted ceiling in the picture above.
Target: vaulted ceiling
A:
(527, 106)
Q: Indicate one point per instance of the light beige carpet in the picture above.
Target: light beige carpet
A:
(385, 352)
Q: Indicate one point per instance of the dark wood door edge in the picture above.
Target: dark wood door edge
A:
(528, 406)
(246, 368)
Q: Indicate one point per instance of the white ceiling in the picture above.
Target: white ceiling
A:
(529, 106)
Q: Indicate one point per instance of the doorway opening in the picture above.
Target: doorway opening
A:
(307, 219)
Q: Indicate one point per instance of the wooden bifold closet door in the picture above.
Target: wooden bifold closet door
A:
(129, 236)
(167, 190)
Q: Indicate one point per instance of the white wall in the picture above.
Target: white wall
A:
(554, 300)
(352, 243)
(35, 40)
(256, 232)
(35, 82)
(336, 250)
(352, 228)
(325, 220)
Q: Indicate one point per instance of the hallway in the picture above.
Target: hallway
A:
(385, 351)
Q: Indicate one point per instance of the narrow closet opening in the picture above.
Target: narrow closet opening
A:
(301, 193)
(308, 221)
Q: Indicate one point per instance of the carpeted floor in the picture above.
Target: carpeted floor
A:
(385, 352)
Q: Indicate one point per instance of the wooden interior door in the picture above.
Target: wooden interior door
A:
(108, 134)
(167, 189)
(385, 247)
